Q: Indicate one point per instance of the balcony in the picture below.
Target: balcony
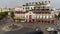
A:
(42, 11)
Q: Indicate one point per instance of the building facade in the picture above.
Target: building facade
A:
(35, 12)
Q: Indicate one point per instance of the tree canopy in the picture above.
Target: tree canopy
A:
(3, 14)
(12, 14)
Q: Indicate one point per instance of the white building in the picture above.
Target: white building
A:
(35, 13)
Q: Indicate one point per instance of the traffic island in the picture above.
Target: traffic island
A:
(12, 27)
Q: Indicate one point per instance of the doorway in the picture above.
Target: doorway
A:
(30, 18)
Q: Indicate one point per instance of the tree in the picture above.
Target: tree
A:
(6, 13)
(12, 14)
(3, 14)
(59, 15)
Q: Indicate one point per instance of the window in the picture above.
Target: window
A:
(33, 20)
(47, 17)
(38, 20)
(38, 7)
(32, 2)
(34, 8)
(40, 16)
(29, 3)
(26, 3)
(48, 21)
(50, 16)
(22, 16)
(45, 21)
(37, 16)
(42, 21)
(31, 7)
(43, 17)
(23, 8)
(41, 8)
(33, 17)
(36, 3)
(28, 7)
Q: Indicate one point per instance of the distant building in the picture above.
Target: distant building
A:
(4, 9)
(35, 12)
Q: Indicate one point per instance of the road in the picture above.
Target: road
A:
(27, 27)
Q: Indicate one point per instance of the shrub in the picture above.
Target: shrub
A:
(3, 14)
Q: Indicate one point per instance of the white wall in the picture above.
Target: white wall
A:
(44, 16)
(19, 9)
(33, 16)
(20, 15)
(26, 16)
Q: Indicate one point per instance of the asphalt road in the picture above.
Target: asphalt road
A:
(27, 27)
(21, 31)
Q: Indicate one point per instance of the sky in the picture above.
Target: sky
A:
(14, 3)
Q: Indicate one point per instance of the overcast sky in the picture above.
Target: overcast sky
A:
(14, 3)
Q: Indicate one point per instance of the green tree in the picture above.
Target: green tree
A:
(3, 14)
(12, 14)
(6, 13)
(59, 15)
